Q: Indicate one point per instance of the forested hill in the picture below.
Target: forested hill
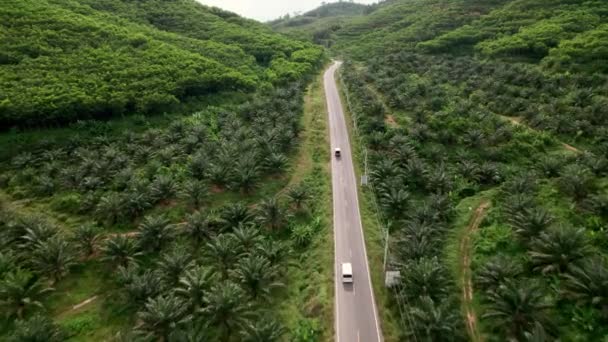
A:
(63, 60)
(559, 33)
(319, 24)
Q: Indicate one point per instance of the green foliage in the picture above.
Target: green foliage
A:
(96, 59)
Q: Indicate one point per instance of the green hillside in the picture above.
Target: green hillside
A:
(486, 124)
(320, 24)
(63, 60)
(160, 177)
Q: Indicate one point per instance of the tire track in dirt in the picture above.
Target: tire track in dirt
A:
(465, 252)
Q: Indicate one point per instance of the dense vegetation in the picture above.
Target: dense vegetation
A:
(320, 25)
(498, 105)
(63, 60)
(184, 226)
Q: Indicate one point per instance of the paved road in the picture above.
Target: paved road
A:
(356, 314)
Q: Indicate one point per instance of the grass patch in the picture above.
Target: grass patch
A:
(307, 309)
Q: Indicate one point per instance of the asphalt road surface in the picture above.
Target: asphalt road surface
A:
(356, 315)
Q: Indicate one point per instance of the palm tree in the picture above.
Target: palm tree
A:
(201, 226)
(273, 251)
(558, 249)
(163, 187)
(235, 214)
(87, 238)
(298, 195)
(276, 162)
(119, 250)
(194, 284)
(172, 265)
(139, 286)
(530, 223)
(110, 208)
(496, 271)
(220, 174)
(19, 291)
(137, 201)
(246, 178)
(247, 237)
(426, 277)
(161, 316)
(588, 283)
(54, 258)
(430, 321)
(265, 329)
(271, 214)
(223, 250)
(38, 328)
(35, 233)
(515, 307)
(195, 193)
(155, 232)
(225, 308)
(576, 181)
(395, 202)
(258, 276)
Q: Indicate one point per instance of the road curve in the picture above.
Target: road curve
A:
(356, 317)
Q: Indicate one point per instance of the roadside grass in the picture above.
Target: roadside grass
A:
(373, 231)
(308, 305)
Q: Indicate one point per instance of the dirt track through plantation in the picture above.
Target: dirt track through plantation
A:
(466, 249)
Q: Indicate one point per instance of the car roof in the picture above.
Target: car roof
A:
(347, 267)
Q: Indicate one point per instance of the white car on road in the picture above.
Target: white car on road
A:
(347, 272)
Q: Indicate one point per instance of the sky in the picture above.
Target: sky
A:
(264, 10)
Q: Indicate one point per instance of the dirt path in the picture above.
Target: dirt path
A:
(465, 252)
(516, 120)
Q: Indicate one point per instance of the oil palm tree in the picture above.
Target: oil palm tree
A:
(298, 196)
(433, 321)
(247, 237)
(173, 265)
(246, 178)
(271, 214)
(576, 181)
(558, 249)
(265, 329)
(395, 202)
(515, 307)
(53, 258)
(530, 223)
(195, 193)
(139, 285)
(426, 277)
(86, 238)
(194, 284)
(235, 214)
(201, 226)
(587, 283)
(163, 187)
(20, 291)
(257, 276)
(161, 316)
(226, 308)
(496, 271)
(119, 250)
(110, 208)
(155, 232)
(223, 250)
(37, 328)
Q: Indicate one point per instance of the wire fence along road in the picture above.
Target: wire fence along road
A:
(356, 313)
